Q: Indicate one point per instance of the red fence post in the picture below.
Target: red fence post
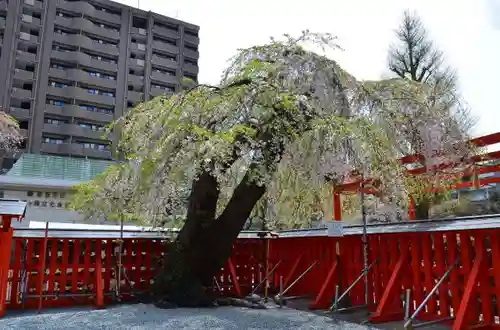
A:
(234, 277)
(41, 271)
(337, 206)
(325, 294)
(470, 286)
(293, 270)
(98, 275)
(392, 290)
(5, 254)
(412, 214)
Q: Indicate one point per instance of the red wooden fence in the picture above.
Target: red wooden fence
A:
(63, 270)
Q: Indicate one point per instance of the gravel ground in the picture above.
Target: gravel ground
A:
(143, 316)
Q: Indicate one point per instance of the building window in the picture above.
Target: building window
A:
(57, 103)
(189, 61)
(190, 33)
(191, 47)
(30, 193)
(58, 84)
(54, 121)
(93, 127)
(51, 141)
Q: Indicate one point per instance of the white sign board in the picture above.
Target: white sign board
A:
(335, 229)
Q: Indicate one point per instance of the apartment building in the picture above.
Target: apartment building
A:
(69, 67)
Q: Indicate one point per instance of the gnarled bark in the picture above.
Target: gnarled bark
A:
(204, 243)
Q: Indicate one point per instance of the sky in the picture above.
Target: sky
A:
(467, 31)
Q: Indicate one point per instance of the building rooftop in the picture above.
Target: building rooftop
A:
(45, 171)
(56, 167)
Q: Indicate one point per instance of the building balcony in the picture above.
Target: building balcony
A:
(162, 46)
(137, 47)
(163, 77)
(30, 20)
(82, 41)
(85, 8)
(28, 37)
(77, 112)
(24, 132)
(80, 94)
(23, 74)
(73, 130)
(141, 32)
(74, 149)
(80, 23)
(191, 68)
(84, 59)
(193, 54)
(22, 94)
(79, 150)
(34, 3)
(135, 80)
(19, 113)
(166, 32)
(192, 39)
(25, 56)
(155, 91)
(135, 97)
(82, 76)
(164, 62)
(136, 62)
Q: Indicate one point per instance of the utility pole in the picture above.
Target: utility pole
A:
(365, 236)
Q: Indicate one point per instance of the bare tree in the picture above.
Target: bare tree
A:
(414, 56)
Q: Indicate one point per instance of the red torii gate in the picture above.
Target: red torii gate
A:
(472, 171)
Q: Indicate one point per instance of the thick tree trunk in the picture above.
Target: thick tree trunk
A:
(204, 243)
(422, 209)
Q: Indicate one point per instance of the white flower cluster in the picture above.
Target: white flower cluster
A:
(289, 119)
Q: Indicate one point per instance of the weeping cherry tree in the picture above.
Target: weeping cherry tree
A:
(283, 125)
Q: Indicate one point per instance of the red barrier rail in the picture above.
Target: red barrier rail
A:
(51, 272)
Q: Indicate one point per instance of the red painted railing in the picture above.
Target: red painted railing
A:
(55, 272)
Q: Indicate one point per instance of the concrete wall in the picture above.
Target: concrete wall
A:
(45, 208)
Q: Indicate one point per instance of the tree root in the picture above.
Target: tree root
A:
(237, 302)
